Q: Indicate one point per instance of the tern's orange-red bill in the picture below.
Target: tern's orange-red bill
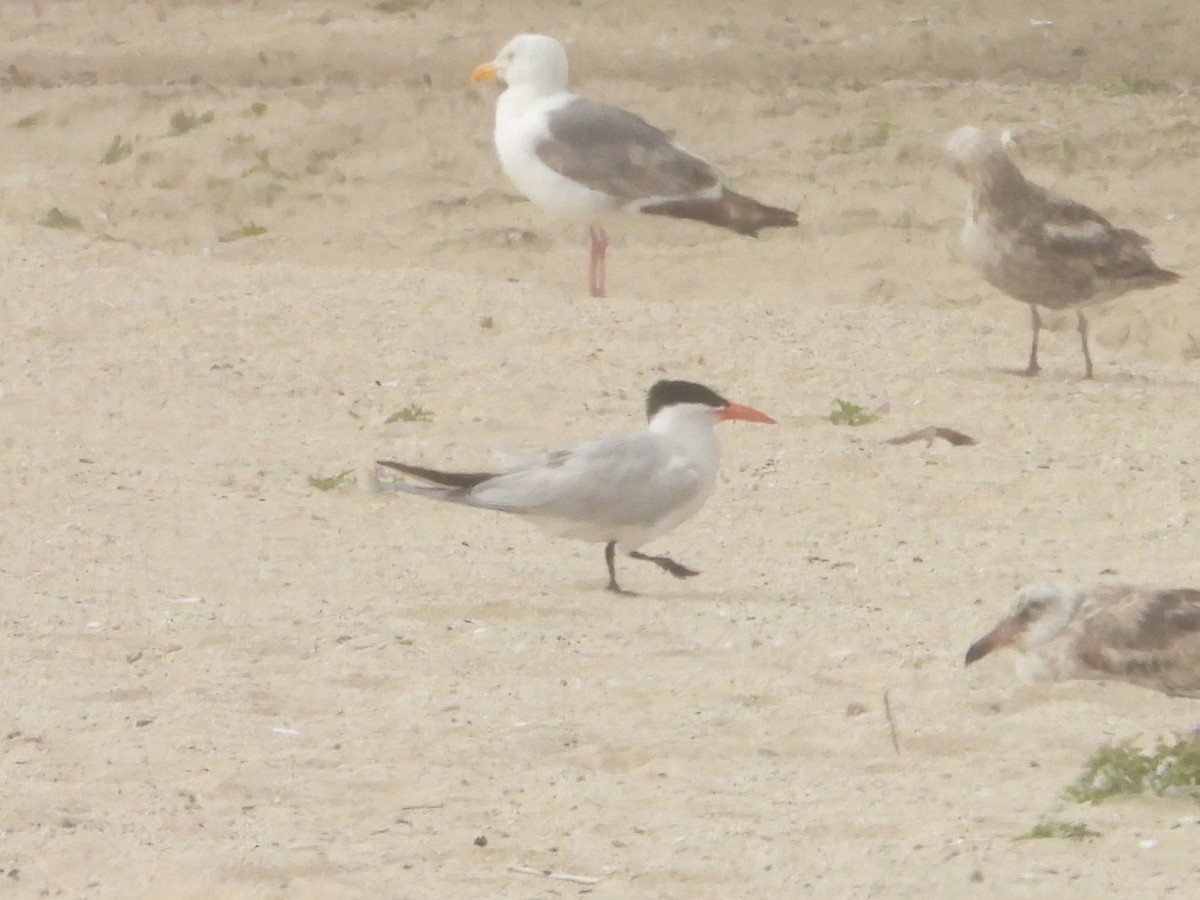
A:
(745, 414)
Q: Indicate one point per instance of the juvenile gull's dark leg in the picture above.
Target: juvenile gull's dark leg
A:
(597, 253)
(1033, 368)
(666, 564)
(1083, 333)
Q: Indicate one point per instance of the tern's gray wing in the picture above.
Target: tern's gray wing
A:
(616, 153)
(1150, 638)
(619, 481)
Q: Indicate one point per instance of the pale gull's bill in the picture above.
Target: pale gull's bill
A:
(1146, 636)
(1040, 248)
(622, 492)
(582, 160)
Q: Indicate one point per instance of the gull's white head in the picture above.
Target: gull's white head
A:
(1040, 613)
(532, 60)
(970, 150)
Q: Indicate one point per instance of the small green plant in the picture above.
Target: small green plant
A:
(29, 121)
(398, 6)
(1054, 828)
(250, 229)
(257, 109)
(1135, 84)
(117, 151)
(329, 482)
(56, 218)
(411, 413)
(1173, 765)
(182, 121)
(842, 142)
(880, 132)
(263, 166)
(847, 413)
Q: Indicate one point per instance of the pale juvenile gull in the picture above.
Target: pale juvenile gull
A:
(1040, 248)
(583, 160)
(1146, 636)
(622, 492)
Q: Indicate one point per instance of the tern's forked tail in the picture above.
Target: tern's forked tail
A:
(462, 480)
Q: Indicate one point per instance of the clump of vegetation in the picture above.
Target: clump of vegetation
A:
(411, 413)
(880, 132)
(183, 121)
(1171, 766)
(29, 121)
(329, 482)
(398, 6)
(250, 229)
(847, 413)
(258, 109)
(56, 218)
(117, 151)
(263, 166)
(1135, 84)
(1055, 828)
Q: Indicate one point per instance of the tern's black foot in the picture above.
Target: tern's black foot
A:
(666, 564)
(610, 553)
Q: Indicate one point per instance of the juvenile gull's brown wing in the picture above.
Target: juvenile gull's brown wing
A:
(1076, 235)
(1147, 637)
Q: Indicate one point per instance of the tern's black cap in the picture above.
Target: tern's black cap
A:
(668, 393)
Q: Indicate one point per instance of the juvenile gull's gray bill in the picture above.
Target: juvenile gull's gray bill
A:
(1146, 636)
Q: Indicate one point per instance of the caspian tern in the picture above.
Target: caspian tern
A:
(582, 160)
(1041, 248)
(619, 491)
(1144, 635)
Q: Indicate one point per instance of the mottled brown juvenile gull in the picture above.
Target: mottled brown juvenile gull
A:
(1143, 635)
(582, 160)
(1040, 248)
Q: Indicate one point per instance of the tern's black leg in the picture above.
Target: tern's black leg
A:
(1083, 333)
(1033, 368)
(610, 552)
(666, 564)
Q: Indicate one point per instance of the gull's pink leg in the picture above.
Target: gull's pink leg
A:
(597, 245)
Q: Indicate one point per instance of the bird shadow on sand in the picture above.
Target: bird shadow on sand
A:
(631, 594)
(1026, 697)
(1055, 376)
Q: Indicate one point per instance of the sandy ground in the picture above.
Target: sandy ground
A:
(280, 224)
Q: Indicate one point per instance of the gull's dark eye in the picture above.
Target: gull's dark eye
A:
(1031, 610)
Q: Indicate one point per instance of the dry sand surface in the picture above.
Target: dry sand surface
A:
(282, 223)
